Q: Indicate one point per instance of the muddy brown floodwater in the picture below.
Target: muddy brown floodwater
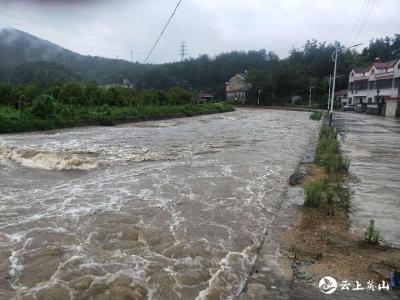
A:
(158, 210)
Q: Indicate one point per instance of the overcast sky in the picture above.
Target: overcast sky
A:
(112, 28)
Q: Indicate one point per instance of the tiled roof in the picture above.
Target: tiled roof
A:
(359, 70)
(384, 65)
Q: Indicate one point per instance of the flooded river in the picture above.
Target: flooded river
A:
(170, 209)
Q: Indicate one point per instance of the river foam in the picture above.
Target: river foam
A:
(46, 160)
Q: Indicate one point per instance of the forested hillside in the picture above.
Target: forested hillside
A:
(26, 59)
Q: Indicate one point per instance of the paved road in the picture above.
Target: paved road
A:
(373, 144)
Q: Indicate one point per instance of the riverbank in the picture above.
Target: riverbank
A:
(309, 243)
(291, 108)
(13, 120)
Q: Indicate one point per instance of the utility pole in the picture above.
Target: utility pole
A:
(259, 93)
(333, 89)
(183, 51)
(329, 89)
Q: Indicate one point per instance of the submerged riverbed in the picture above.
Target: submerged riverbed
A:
(170, 209)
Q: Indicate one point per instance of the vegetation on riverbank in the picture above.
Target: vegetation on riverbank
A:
(321, 240)
(316, 116)
(28, 108)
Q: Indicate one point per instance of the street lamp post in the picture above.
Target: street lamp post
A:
(333, 88)
(329, 89)
(334, 58)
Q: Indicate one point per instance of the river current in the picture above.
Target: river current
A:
(171, 209)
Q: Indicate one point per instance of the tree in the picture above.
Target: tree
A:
(44, 106)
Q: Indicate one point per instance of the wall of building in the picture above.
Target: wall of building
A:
(236, 83)
(391, 108)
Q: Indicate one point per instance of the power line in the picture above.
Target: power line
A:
(183, 51)
(358, 20)
(365, 19)
(162, 32)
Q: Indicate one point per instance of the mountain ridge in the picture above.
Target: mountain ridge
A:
(18, 48)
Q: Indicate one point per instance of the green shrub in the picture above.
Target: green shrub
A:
(344, 195)
(44, 106)
(47, 113)
(371, 235)
(316, 116)
(314, 193)
(328, 153)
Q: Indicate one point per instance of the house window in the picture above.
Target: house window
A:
(384, 84)
(371, 85)
(372, 72)
(361, 85)
(369, 100)
(397, 82)
(350, 100)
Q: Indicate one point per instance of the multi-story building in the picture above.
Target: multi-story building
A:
(237, 87)
(375, 89)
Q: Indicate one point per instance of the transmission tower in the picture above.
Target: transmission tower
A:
(183, 51)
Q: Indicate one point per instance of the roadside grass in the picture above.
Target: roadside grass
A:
(315, 193)
(329, 191)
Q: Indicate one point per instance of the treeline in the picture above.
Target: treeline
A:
(34, 107)
(91, 94)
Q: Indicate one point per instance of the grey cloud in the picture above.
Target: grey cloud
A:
(114, 28)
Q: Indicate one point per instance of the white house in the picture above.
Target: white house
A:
(375, 89)
(237, 87)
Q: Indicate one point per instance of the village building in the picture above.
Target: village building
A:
(206, 96)
(237, 87)
(341, 98)
(376, 88)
